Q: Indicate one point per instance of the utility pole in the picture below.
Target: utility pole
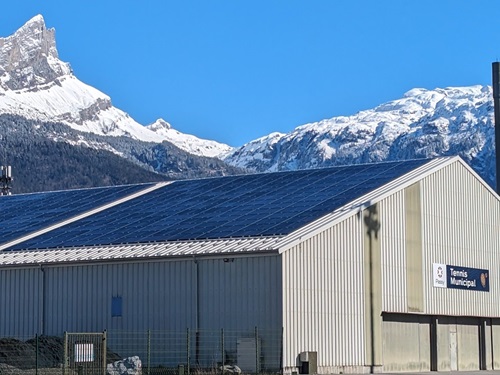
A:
(6, 180)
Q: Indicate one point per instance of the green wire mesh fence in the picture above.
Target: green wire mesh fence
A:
(147, 352)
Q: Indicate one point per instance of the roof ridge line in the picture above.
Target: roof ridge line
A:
(84, 215)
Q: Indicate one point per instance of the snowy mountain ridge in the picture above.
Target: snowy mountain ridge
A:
(35, 84)
(424, 123)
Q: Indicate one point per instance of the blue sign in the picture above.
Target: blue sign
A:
(457, 277)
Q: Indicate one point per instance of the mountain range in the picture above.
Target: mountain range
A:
(58, 132)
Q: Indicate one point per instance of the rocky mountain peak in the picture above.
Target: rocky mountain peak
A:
(159, 125)
(29, 57)
(422, 124)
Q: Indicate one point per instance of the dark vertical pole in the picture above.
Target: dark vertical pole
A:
(223, 359)
(188, 358)
(65, 360)
(491, 345)
(372, 224)
(372, 317)
(433, 341)
(149, 352)
(104, 351)
(482, 343)
(257, 351)
(188, 351)
(281, 351)
(496, 104)
(36, 354)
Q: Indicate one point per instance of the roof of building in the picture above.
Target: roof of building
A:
(265, 204)
(257, 212)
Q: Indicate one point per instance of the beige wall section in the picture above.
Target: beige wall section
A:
(326, 278)
(460, 226)
(488, 344)
(406, 343)
(323, 299)
(495, 339)
(459, 223)
(444, 333)
(401, 255)
(393, 257)
(468, 348)
(458, 344)
(413, 231)
(373, 286)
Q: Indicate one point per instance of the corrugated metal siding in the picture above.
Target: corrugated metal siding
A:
(392, 236)
(461, 227)
(19, 302)
(243, 293)
(139, 250)
(240, 293)
(323, 297)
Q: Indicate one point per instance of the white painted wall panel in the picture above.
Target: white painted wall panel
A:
(323, 298)
(393, 257)
(461, 227)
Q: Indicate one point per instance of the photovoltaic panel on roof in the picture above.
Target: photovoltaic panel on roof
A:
(236, 206)
(26, 213)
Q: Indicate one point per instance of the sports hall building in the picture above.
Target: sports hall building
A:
(384, 267)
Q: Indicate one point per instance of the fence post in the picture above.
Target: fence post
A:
(104, 351)
(65, 359)
(222, 349)
(149, 351)
(281, 351)
(256, 350)
(187, 351)
(36, 354)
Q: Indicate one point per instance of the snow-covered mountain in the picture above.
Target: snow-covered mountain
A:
(37, 85)
(424, 123)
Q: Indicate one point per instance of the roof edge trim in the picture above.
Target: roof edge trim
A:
(125, 252)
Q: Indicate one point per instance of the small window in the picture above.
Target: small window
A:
(116, 306)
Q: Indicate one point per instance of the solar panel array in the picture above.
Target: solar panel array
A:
(236, 206)
(26, 213)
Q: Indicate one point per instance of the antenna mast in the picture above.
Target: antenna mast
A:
(6, 180)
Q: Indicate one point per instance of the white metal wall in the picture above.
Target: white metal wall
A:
(461, 227)
(323, 298)
(393, 256)
(447, 217)
(460, 221)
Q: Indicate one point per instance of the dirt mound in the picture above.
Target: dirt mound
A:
(51, 348)
(23, 355)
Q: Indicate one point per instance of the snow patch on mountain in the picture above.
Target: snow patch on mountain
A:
(188, 142)
(423, 123)
(36, 85)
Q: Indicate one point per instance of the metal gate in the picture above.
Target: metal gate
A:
(84, 353)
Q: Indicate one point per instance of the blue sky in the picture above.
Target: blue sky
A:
(236, 70)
